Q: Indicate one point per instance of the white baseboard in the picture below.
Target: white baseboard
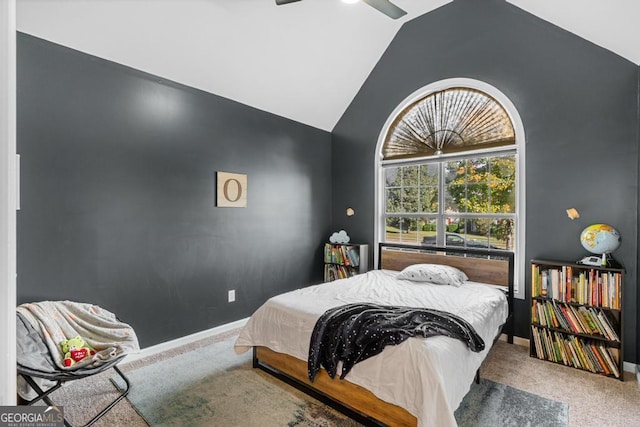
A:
(187, 339)
(516, 340)
(630, 367)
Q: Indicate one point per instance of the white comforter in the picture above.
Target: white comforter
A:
(428, 377)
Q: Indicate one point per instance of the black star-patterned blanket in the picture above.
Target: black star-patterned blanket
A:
(354, 332)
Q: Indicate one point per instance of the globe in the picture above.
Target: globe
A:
(600, 238)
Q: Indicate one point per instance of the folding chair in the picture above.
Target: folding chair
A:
(36, 362)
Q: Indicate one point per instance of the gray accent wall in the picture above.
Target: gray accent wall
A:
(118, 195)
(579, 107)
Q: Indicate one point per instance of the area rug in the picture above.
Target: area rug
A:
(212, 386)
(491, 404)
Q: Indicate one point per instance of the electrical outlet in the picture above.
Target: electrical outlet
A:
(232, 295)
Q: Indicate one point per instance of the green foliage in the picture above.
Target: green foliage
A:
(428, 227)
(483, 185)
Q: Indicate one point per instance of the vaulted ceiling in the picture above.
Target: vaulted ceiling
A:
(305, 61)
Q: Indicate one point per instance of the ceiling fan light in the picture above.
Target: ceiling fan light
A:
(350, 1)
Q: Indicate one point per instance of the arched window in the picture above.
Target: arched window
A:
(450, 171)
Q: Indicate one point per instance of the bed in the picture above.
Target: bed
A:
(419, 382)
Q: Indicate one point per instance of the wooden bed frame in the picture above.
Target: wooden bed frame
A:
(493, 267)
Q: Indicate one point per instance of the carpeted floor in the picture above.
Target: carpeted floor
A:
(592, 400)
(222, 389)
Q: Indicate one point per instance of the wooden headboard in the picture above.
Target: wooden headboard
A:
(493, 267)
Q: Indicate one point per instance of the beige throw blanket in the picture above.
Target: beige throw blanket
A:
(102, 331)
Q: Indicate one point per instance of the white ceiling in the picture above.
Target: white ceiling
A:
(305, 61)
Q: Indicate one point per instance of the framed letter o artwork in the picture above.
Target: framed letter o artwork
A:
(231, 190)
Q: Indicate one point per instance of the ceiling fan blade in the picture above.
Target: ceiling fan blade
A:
(386, 7)
(279, 2)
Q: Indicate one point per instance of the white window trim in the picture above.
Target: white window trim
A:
(8, 202)
(520, 260)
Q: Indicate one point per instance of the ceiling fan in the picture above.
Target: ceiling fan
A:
(384, 6)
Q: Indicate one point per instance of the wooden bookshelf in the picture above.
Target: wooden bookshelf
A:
(344, 260)
(576, 316)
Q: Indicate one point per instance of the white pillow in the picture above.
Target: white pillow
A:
(434, 273)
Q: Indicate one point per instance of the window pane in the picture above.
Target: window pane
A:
(392, 177)
(411, 232)
(455, 225)
(428, 230)
(477, 233)
(451, 205)
(502, 178)
(477, 200)
(502, 233)
(406, 230)
(400, 229)
(503, 197)
(410, 175)
(429, 199)
(503, 167)
(455, 186)
(429, 175)
(392, 229)
(454, 235)
(429, 179)
(455, 171)
(477, 169)
(393, 202)
(409, 184)
(410, 199)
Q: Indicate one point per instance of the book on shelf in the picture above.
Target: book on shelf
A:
(601, 360)
(348, 255)
(335, 272)
(579, 320)
(574, 351)
(354, 256)
(343, 256)
(612, 363)
(608, 326)
(589, 286)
